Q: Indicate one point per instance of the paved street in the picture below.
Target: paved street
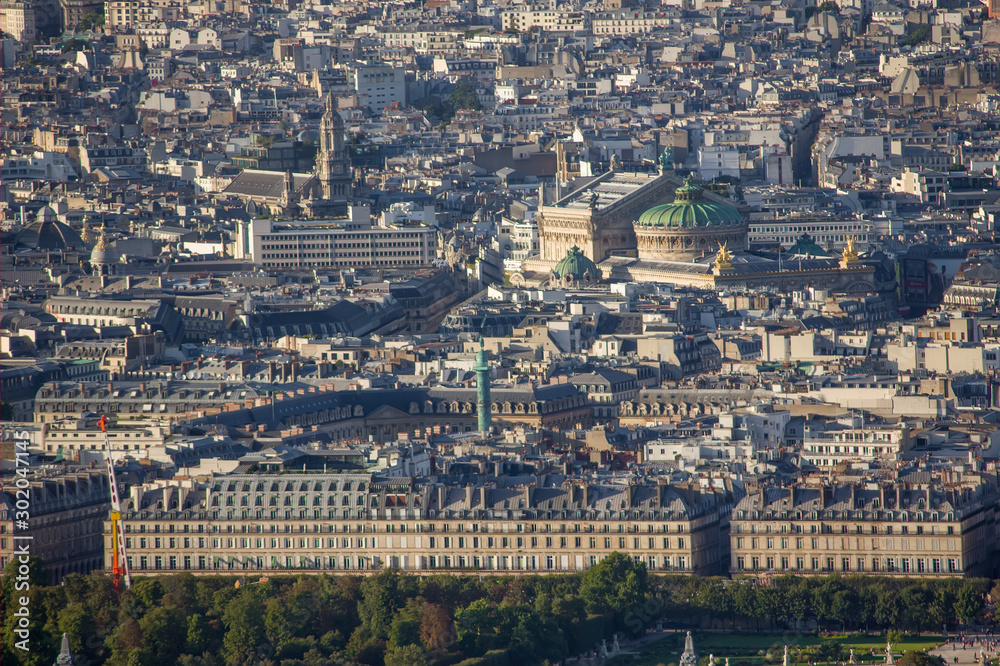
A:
(953, 651)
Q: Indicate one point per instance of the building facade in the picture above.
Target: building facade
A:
(825, 448)
(889, 528)
(379, 86)
(376, 415)
(831, 233)
(349, 243)
(18, 19)
(350, 523)
(68, 510)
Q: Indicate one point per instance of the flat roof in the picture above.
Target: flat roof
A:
(605, 191)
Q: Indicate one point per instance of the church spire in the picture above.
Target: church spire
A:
(333, 164)
(288, 194)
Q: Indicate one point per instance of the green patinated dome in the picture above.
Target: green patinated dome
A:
(689, 210)
(575, 264)
(805, 246)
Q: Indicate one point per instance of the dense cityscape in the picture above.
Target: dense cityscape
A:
(500, 332)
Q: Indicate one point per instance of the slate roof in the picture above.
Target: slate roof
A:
(266, 184)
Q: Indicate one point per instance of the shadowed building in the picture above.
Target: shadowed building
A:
(67, 511)
(378, 415)
(48, 233)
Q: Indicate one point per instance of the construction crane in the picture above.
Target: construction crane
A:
(119, 560)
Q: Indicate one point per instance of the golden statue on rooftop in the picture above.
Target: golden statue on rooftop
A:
(850, 250)
(724, 259)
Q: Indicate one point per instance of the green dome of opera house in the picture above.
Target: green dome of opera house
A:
(576, 267)
(689, 226)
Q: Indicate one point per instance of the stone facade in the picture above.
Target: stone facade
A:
(67, 512)
(351, 523)
(888, 528)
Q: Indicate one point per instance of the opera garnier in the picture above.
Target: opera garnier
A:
(639, 227)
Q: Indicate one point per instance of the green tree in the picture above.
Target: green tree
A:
(942, 608)
(33, 578)
(477, 627)
(181, 591)
(968, 603)
(288, 617)
(518, 629)
(713, 597)
(746, 600)
(915, 658)
(245, 632)
(42, 644)
(77, 622)
(380, 599)
(73, 44)
(829, 650)
(845, 607)
(920, 34)
(615, 585)
(830, 6)
(126, 641)
(405, 628)
(165, 632)
(916, 599)
(834, 602)
(197, 634)
(406, 655)
(888, 608)
(90, 20)
(6, 411)
(464, 97)
(148, 592)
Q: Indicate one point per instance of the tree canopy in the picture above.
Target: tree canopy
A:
(394, 618)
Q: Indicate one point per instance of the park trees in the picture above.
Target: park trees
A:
(246, 632)
(516, 628)
(968, 602)
(615, 585)
(920, 659)
(396, 618)
(380, 599)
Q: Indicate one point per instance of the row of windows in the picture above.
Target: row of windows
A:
(348, 562)
(336, 246)
(810, 228)
(316, 255)
(889, 565)
(366, 236)
(636, 543)
(373, 528)
(814, 543)
(293, 264)
(829, 529)
(111, 311)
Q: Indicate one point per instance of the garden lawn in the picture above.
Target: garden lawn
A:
(747, 647)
